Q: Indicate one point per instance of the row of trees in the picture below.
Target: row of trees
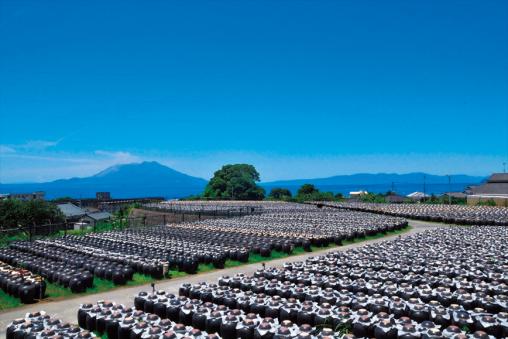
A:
(306, 192)
(15, 213)
(238, 182)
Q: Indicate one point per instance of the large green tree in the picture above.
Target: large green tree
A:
(15, 213)
(235, 182)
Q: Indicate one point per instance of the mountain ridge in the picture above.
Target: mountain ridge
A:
(382, 178)
(123, 181)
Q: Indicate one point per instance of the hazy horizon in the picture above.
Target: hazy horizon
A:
(262, 181)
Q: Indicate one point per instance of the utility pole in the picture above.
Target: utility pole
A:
(424, 186)
(449, 189)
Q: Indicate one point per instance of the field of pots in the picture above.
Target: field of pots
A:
(442, 283)
(75, 262)
(452, 214)
(302, 227)
(216, 207)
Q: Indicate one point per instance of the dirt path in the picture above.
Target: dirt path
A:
(67, 309)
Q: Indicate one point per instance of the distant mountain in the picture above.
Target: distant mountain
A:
(381, 178)
(123, 181)
(382, 182)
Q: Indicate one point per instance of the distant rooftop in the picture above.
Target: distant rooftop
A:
(497, 184)
(498, 178)
(100, 216)
(71, 210)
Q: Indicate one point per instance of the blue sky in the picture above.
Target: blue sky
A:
(298, 88)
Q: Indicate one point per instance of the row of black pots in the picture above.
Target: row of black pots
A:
(159, 242)
(102, 267)
(452, 276)
(493, 301)
(40, 325)
(21, 284)
(452, 214)
(173, 255)
(313, 226)
(312, 305)
(77, 280)
(195, 318)
(122, 273)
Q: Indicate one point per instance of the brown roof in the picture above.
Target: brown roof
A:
(498, 178)
(490, 188)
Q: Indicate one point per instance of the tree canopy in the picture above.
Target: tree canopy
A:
(309, 192)
(15, 213)
(235, 182)
(307, 189)
(280, 194)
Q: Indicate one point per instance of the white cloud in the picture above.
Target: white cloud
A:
(29, 146)
(19, 167)
(6, 149)
(38, 145)
(120, 157)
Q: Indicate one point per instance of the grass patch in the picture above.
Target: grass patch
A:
(177, 274)
(377, 236)
(203, 268)
(5, 240)
(8, 301)
(54, 291)
(103, 336)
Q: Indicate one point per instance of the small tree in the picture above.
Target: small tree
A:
(307, 189)
(280, 194)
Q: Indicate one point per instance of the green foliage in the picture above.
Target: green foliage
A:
(280, 194)
(489, 202)
(16, 213)
(192, 198)
(235, 182)
(308, 192)
(465, 328)
(373, 197)
(307, 189)
(344, 328)
(8, 301)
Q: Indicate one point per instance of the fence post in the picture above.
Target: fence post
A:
(164, 218)
(94, 223)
